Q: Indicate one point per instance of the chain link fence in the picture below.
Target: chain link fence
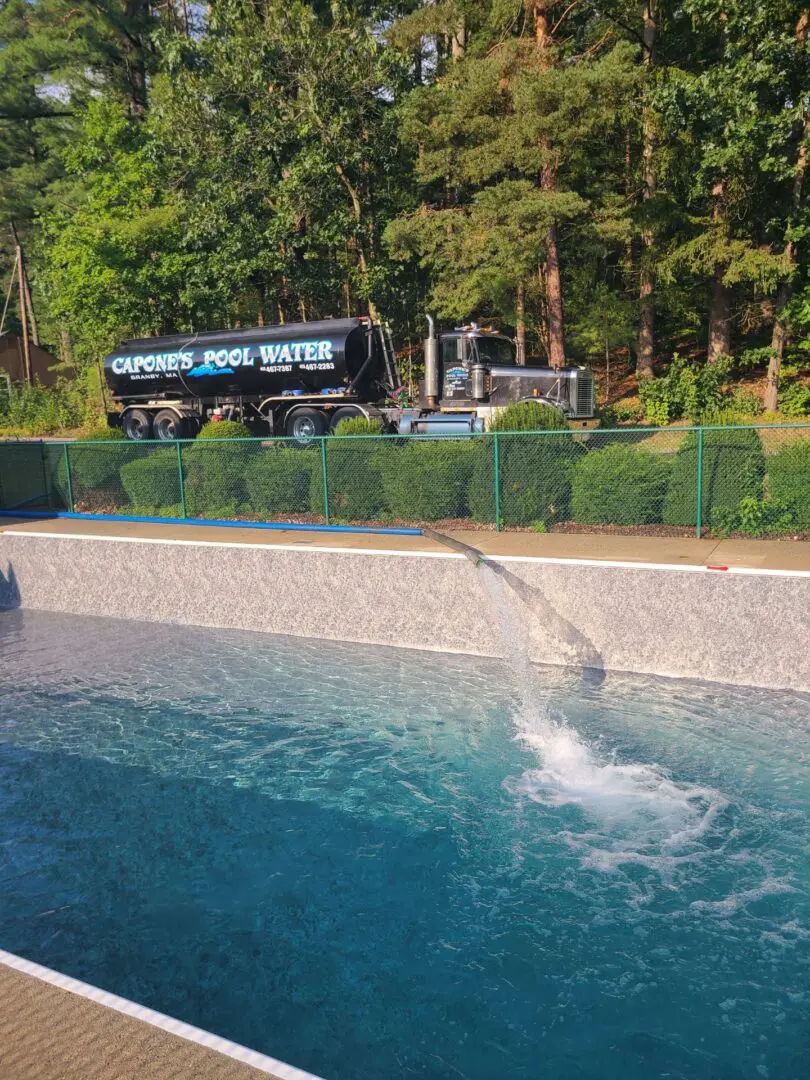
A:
(745, 481)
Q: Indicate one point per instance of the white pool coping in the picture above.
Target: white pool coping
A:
(260, 1062)
(323, 549)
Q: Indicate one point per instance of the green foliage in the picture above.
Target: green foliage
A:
(151, 481)
(529, 416)
(37, 410)
(354, 468)
(620, 485)
(95, 467)
(794, 399)
(215, 472)
(620, 412)
(687, 389)
(225, 429)
(745, 402)
(427, 481)
(733, 470)
(359, 425)
(789, 480)
(535, 476)
(754, 517)
(278, 482)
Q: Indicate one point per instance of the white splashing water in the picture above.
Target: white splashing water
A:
(641, 815)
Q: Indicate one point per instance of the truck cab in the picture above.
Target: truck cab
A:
(471, 373)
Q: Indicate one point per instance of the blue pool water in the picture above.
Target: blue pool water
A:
(378, 863)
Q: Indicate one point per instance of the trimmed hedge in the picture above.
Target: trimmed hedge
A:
(620, 485)
(279, 481)
(94, 469)
(789, 480)
(428, 481)
(225, 429)
(354, 478)
(151, 481)
(535, 479)
(214, 476)
(529, 416)
(733, 470)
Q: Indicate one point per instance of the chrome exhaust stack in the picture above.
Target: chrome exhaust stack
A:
(431, 366)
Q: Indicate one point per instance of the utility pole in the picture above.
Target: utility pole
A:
(24, 318)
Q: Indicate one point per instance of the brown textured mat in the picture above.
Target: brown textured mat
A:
(51, 1034)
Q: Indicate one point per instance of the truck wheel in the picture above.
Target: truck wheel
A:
(168, 425)
(136, 425)
(348, 412)
(304, 425)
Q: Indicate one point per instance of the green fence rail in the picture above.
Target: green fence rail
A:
(711, 480)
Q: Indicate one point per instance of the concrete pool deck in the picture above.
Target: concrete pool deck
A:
(56, 1028)
(733, 611)
(789, 555)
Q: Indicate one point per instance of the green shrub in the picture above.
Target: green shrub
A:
(354, 473)
(535, 475)
(789, 480)
(359, 425)
(94, 468)
(214, 472)
(278, 481)
(687, 389)
(620, 485)
(754, 517)
(225, 429)
(41, 410)
(794, 399)
(427, 480)
(528, 416)
(733, 470)
(151, 481)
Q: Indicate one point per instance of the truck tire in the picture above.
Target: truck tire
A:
(304, 425)
(168, 426)
(348, 412)
(136, 425)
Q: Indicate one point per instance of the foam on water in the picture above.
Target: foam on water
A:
(643, 815)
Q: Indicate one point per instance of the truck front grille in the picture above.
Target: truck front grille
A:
(584, 393)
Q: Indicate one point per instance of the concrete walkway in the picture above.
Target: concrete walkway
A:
(755, 554)
(48, 1032)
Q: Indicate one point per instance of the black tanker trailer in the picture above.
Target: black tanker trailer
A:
(302, 379)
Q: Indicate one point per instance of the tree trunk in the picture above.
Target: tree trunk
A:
(358, 216)
(459, 42)
(554, 300)
(719, 317)
(784, 293)
(646, 328)
(136, 16)
(23, 317)
(520, 327)
(548, 182)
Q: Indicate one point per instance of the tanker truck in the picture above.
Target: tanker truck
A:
(301, 379)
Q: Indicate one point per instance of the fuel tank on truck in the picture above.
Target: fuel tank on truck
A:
(264, 361)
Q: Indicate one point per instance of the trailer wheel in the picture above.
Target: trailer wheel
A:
(348, 412)
(169, 426)
(304, 425)
(136, 425)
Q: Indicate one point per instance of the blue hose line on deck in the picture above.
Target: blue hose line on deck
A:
(278, 525)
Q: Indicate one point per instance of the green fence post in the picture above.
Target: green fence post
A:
(69, 478)
(496, 453)
(699, 514)
(181, 480)
(325, 476)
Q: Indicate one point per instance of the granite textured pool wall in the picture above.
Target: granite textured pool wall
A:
(749, 629)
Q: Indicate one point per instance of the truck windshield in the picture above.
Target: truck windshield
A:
(495, 350)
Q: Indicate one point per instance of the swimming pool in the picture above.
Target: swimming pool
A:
(378, 863)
